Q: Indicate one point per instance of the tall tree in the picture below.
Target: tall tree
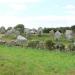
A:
(73, 28)
(20, 28)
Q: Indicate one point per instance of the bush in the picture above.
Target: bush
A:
(14, 43)
(50, 44)
(41, 45)
(9, 37)
(11, 43)
(60, 46)
(2, 42)
(33, 44)
(71, 47)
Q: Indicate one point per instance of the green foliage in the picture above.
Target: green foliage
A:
(41, 45)
(61, 29)
(71, 47)
(33, 43)
(46, 30)
(73, 28)
(50, 44)
(9, 37)
(60, 46)
(20, 28)
(9, 28)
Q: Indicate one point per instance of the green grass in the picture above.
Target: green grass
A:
(26, 61)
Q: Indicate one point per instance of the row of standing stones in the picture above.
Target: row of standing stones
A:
(20, 39)
(69, 35)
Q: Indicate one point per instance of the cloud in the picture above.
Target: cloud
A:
(37, 21)
(70, 6)
(70, 9)
(18, 7)
(19, 1)
(72, 12)
(14, 7)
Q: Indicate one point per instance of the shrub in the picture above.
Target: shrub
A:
(33, 44)
(14, 43)
(11, 43)
(2, 42)
(71, 47)
(50, 44)
(41, 45)
(60, 46)
(9, 37)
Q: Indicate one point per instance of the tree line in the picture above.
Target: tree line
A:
(21, 27)
(61, 29)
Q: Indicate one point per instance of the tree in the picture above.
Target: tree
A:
(9, 28)
(20, 28)
(73, 28)
(47, 30)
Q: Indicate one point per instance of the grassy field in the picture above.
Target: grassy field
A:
(26, 61)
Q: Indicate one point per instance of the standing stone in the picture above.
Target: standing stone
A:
(57, 35)
(69, 34)
(33, 31)
(40, 31)
(21, 40)
(2, 30)
(17, 33)
(27, 32)
(13, 32)
(51, 32)
(9, 32)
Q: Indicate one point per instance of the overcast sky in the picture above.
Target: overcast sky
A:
(37, 13)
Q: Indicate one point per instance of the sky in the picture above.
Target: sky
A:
(37, 13)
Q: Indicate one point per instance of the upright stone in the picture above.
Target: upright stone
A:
(51, 32)
(57, 35)
(2, 30)
(27, 32)
(13, 32)
(40, 31)
(69, 34)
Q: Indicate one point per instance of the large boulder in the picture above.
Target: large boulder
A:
(21, 40)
